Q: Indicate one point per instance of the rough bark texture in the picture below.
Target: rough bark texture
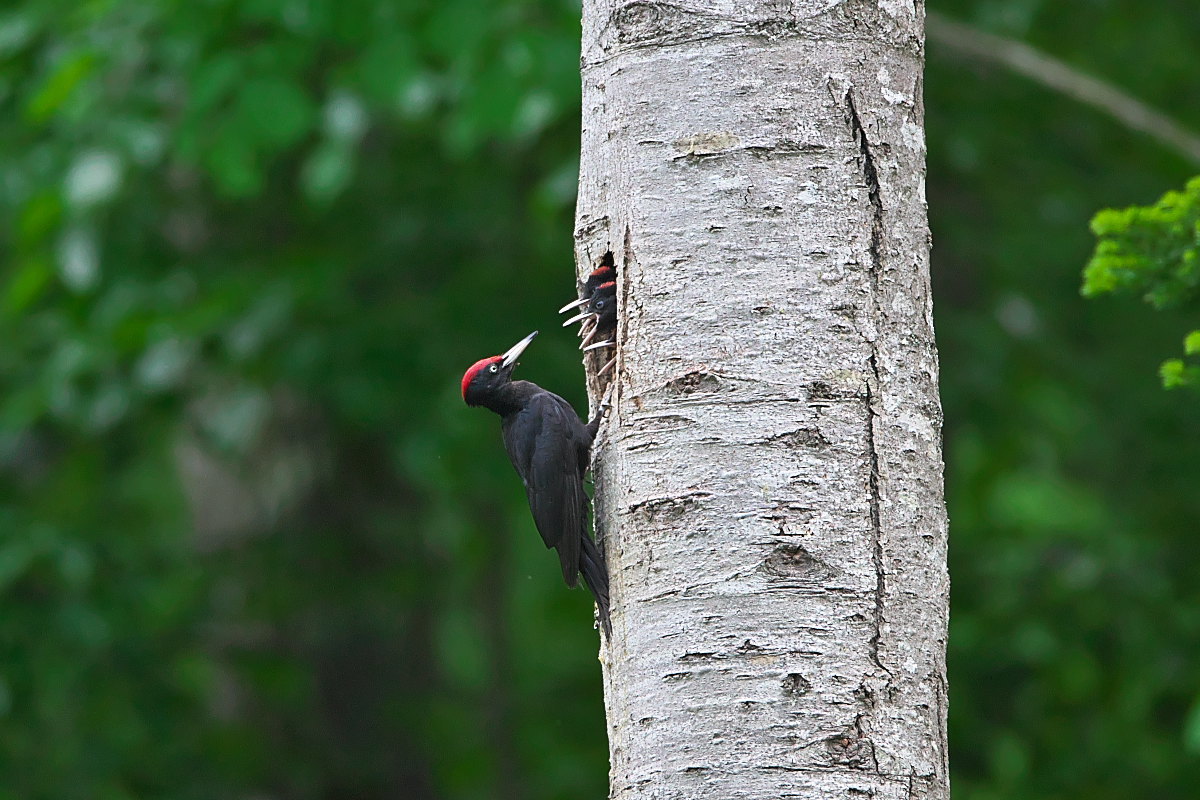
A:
(769, 482)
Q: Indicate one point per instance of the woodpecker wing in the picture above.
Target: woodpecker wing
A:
(543, 441)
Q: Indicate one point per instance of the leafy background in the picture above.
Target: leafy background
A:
(251, 543)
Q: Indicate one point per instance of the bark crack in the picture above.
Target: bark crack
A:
(876, 522)
(874, 268)
(871, 177)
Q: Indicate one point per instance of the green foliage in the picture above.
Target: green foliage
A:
(251, 542)
(1153, 251)
(1070, 475)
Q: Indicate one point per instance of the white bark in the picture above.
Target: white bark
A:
(769, 483)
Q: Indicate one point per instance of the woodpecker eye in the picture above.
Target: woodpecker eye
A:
(493, 368)
(599, 304)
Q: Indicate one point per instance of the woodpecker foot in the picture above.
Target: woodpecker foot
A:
(593, 426)
(606, 401)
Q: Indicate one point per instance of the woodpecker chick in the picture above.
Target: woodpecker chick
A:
(601, 274)
(599, 314)
(602, 306)
(550, 447)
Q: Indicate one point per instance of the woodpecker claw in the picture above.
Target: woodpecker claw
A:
(598, 345)
(606, 401)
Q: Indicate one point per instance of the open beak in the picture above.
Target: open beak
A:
(588, 332)
(575, 304)
(514, 352)
(581, 315)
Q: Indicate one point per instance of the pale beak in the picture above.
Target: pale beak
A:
(598, 345)
(514, 352)
(577, 317)
(588, 332)
(575, 304)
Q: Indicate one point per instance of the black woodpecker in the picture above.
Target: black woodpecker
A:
(550, 447)
(601, 274)
(599, 310)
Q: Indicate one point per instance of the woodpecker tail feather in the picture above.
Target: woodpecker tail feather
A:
(595, 575)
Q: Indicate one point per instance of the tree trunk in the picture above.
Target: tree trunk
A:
(769, 481)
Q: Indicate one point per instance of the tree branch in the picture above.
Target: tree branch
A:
(1054, 74)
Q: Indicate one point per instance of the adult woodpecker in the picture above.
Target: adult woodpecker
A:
(551, 449)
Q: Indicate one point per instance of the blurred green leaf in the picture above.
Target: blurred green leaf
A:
(64, 78)
(1191, 345)
(1191, 729)
(327, 172)
(272, 112)
(28, 281)
(234, 164)
(387, 65)
(213, 81)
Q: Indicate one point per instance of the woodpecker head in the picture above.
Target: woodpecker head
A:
(488, 375)
(604, 303)
(602, 274)
(600, 305)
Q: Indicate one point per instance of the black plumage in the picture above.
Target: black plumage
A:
(598, 310)
(602, 306)
(602, 275)
(550, 447)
